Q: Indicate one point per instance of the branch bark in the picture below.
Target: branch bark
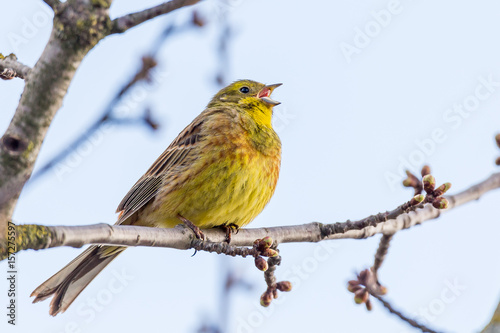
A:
(42, 97)
(11, 68)
(126, 22)
(78, 26)
(41, 237)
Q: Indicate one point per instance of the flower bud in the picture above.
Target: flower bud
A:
(353, 289)
(429, 183)
(442, 189)
(269, 253)
(417, 199)
(440, 203)
(426, 170)
(361, 296)
(284, 286)
(382, 290)
(198, 20)
(261, 264)
(265, 299)
(266, 242)
(363, 275)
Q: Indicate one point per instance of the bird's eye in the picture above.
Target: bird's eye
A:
(245, 90)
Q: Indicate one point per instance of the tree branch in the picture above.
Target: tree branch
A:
(41, 237)
(126, 22)
(52, 3)
(43, 93)
(404, 318)
(78, 27)
(11, 68)
(383, 247)
(494, 325)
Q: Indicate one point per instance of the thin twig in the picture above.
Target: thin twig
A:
(269, 276)
(410, 321)
(372, 220)
(381, 252)
(11, 68)
(365, 285)
(126, 22)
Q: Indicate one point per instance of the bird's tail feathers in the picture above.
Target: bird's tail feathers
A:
(69, 282)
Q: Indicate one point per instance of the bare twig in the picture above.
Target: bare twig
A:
(381, 252)
(366, 284)
(126, 22)
(40, 237)
(225, 35)
(11, 68)
(410, 321)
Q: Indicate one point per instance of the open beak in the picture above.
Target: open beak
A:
(265, 93)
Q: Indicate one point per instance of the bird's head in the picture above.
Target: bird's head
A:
(248, 96)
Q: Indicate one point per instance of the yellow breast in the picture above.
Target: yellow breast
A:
(230, 183)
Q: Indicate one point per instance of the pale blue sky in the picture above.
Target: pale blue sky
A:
(354, 108)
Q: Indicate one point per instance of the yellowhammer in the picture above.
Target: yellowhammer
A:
(221, 170)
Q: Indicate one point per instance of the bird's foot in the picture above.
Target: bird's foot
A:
(229, 229)
(197, 231)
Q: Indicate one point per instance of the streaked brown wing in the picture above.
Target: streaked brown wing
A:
(150, 183)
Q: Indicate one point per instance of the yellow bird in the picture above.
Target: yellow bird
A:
(220, 171)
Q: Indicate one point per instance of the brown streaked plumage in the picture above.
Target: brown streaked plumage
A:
(221, 170)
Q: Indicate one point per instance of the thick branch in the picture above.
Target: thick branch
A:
(494, 324)
(11, 68)
(52, 3)
(126, 22)
(42, 96)
(40, 237)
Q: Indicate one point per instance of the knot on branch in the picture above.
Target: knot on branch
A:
(7, 74)
(11, 68)
(14, 144)
(365, 285)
